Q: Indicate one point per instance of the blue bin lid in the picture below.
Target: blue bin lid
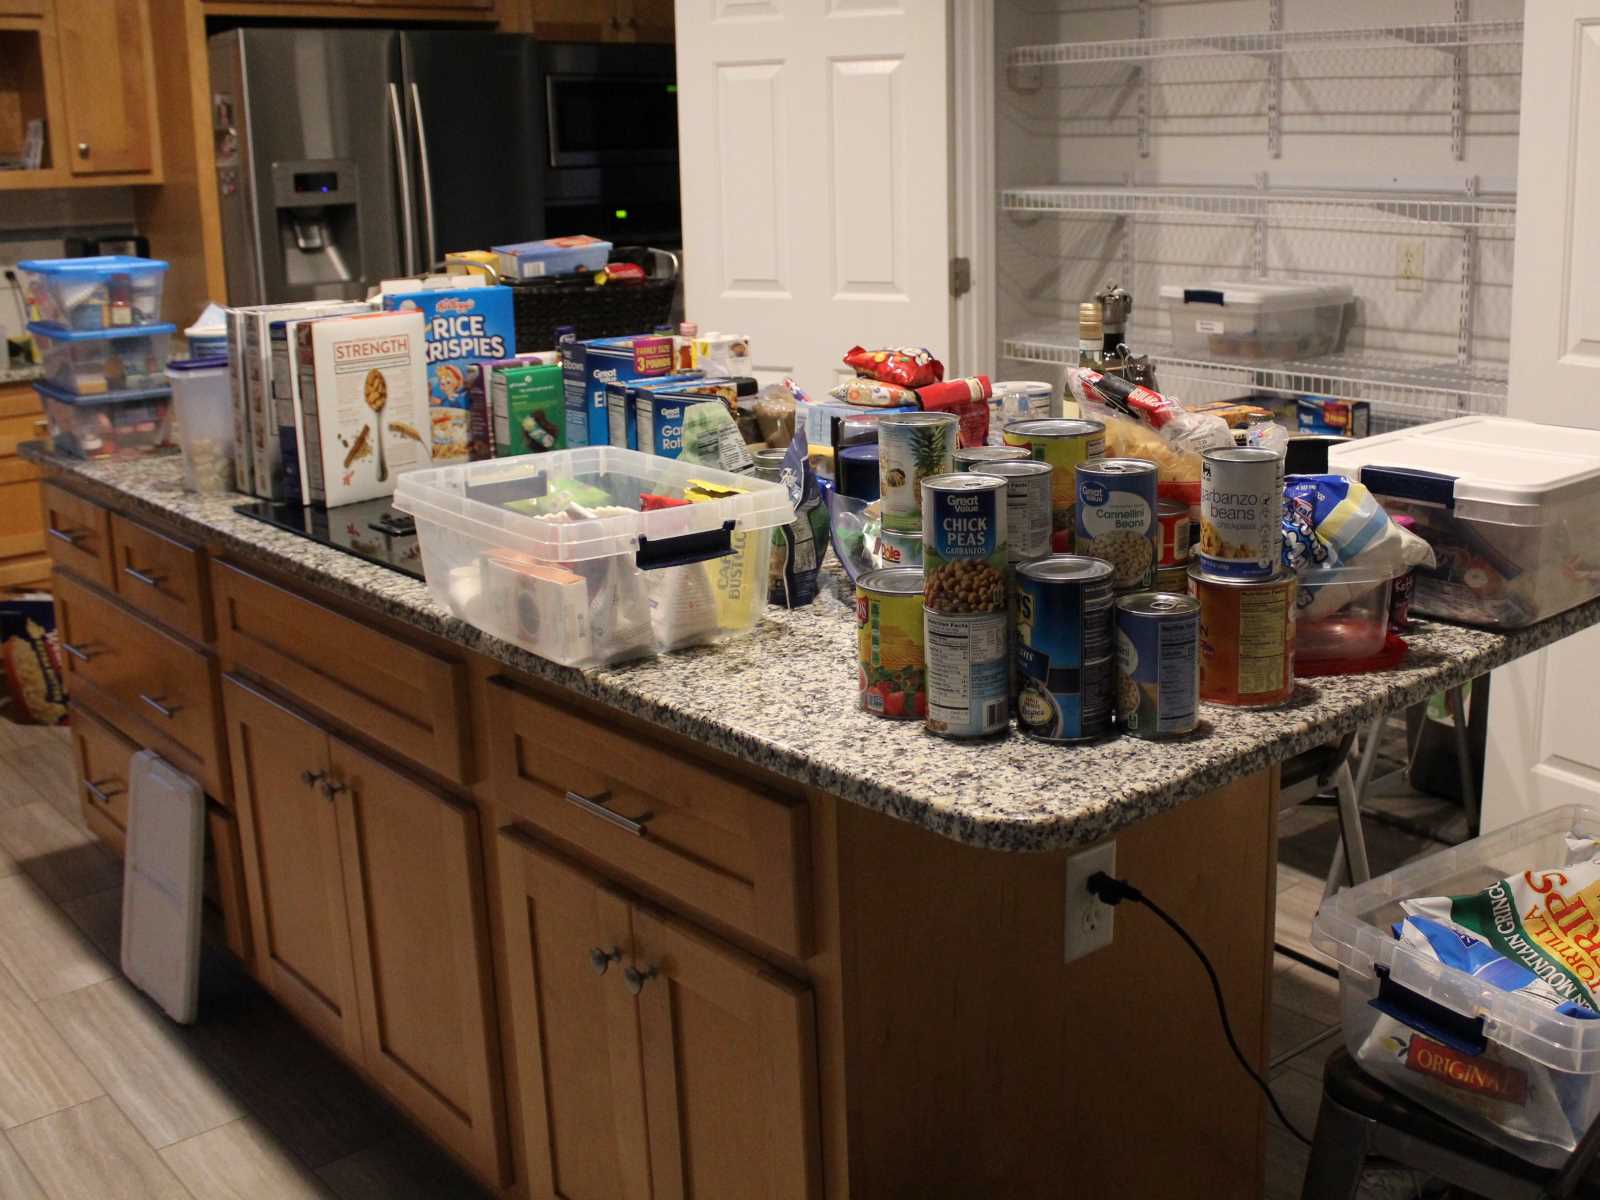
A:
(100, 264)
(50, 391)
(211, 362)
(98, 335)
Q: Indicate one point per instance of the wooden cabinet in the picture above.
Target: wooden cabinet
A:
(107, 85)
(161, 577)
(603, 20)
(77, 534)
(653, 1059)
(101, 756)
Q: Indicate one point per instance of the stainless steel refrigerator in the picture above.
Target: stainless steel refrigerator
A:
(345, 157)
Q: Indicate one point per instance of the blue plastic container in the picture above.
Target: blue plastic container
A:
(127, 424)
(109, 291)
(89, 363)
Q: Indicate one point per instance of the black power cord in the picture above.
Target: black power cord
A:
(1113, 891)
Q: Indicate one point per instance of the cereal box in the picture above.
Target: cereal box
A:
(466, 326)
(589, 366)
(363, 404)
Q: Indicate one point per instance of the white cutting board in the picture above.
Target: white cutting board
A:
(161, 884)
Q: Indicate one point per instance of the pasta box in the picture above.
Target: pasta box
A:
(658, 418)
(552, 256)
(620, 410)
(588, 366)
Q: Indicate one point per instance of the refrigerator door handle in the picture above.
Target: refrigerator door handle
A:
(407, 218)
(427, 181)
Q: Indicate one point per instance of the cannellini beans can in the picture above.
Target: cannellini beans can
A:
(1063, 443)
(892, 677)
(1117, 518)
(967, 673)
(1158, 670)
(1241, 512)
(1028, 501)
(964, 543)
(1246, 638)
(912, 446)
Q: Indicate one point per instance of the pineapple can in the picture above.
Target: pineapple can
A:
(1064, 443)
(893, 674)
(912, 447)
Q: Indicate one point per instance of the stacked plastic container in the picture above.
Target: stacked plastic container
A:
(97, 323)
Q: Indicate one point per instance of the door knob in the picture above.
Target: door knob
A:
(332, 787)
(601, 959)
(83, 149)
(634, 979)
(312, 778)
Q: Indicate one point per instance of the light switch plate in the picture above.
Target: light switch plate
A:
(1409, 262)
(1088, 917)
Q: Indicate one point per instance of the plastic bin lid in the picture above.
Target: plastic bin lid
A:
(100, 264)
(98, 335)
(1491, 460)
(1260, 294)
(50, 391)
(214, 362)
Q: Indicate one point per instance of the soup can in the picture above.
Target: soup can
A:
(1064, 655)
(1246, 638)
(1172, 522)
(1174, 579)
(964, 543)
(892, 678)
(967, 673)
(1117, 518)
(975, 458)
(897, 549)
(1064, 444)
(1241, 512)
(856, 469)
(1158, 668)
(1028, 500)
(912, 446)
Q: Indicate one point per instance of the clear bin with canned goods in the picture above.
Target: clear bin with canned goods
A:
(1256, 320)
(128, 424)
(107, 291)
(93, 363)
(588, 556)
(1508, 507)
(1468, 1025)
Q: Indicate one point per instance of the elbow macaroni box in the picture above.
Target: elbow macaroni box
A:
(588, 366)
(466, 326)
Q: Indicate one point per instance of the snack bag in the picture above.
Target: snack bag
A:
(30, 655)
(798, 547)
(968, 399)
(1331, 521)
(909, 366)
(868, 393)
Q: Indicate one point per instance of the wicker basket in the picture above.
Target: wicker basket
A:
(606, 310)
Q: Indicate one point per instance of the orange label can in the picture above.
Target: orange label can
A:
(1246, 638)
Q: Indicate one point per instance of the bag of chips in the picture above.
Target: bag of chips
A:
(908, 367)
(31, 657)
(869, 393)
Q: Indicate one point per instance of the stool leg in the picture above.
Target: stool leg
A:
(1455, 702)
(1338, 1154)
(1353, 836)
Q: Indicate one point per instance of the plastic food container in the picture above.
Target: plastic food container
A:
(208, 336)
(114, 425)
(111, 291)
(1341, 613)
(1487, 1054)
(204, 409)
(1508, 507)
(1254, 320)
(92, 364)
(506, 547)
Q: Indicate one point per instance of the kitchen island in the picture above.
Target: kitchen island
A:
(694, 925)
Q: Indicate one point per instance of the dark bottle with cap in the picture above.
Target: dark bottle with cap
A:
(1116, 306)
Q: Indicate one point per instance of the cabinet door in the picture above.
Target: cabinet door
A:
(576, 1053)
(289, 832)
(578, 20)
(647, 20)
(108, 81)
(419, 933)
(730, 1068)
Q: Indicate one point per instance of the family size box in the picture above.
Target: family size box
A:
(620, 409)
(363, 404)
(552, 256)
(530, 408)
(469, 323)
(589, 366)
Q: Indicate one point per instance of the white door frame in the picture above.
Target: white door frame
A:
(971, 59)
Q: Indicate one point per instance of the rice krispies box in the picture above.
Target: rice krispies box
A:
(363, 404)
(466, 326)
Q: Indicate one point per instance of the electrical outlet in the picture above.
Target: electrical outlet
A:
(1408, 267)
(1088, 917)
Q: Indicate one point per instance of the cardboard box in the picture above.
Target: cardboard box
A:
(620, 411)
(530, 408)
(363, 404)
(1340, 418)
(286, 401)
(589, 366)
(658, 417)
(553, 256)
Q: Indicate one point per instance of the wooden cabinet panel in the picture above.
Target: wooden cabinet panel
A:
(77, 533)
(21, 520)
(20, 427)
(101, 756)
(108, 85)
(697, 834)
(413, 880)
(225, 892)
(575, 1058)
(647, 20)
(289, 832)
(729, 1052)
(404, 697)
(161, 576)
(87, 624)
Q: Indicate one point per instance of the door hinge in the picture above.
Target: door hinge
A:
(960, 276)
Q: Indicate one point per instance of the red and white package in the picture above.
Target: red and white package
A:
(968, 399)
(907, 366)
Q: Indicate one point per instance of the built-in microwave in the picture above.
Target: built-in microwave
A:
(601, 120)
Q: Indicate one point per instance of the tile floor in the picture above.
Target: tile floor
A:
(101, 1096)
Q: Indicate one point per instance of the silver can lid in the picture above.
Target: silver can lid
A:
(963, 481)
(1010, 468)
(918, 418)
(1119, 466)
(1066, 568)
(1158, 604)
(1054, 427)
(987, 454)
(893, 581)
(1240, 454)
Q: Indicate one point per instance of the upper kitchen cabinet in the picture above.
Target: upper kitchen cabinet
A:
(602, 20)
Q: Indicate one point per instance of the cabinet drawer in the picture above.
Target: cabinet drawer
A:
(410, 700)
(161, 576)
(101, 755)
(77, 533)
(685, 829)
(19, 428)
(21, 520)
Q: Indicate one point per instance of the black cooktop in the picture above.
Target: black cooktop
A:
(369, 529)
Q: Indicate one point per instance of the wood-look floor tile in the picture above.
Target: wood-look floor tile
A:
(16, 789)
(99, 916)
(241, 1161)
(405, 1167)
(39, 1074)
(16, 1181)
(93, 1151)
(1297, 906)
(1286, 1164)
(1308, 992)
(47, 765)
(65, 861)
(41, 946)
(142, 1062)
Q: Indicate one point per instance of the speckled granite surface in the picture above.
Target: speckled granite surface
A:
(783, 697)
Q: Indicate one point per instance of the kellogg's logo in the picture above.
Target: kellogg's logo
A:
(455, 304)
(1491, 1079)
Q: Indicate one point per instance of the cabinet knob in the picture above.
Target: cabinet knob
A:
(601, 959)
(332, 787)
(83, 149)
(312, 778)
(634, 979)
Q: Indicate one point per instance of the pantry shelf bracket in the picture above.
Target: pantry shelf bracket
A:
(1275, 85)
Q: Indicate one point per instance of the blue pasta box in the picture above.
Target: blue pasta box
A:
(465, 327)
(620, 410)
(658, 419)
(552, 256)
(587, 367)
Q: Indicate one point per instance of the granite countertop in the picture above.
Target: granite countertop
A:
(784, 697)
(26, 374)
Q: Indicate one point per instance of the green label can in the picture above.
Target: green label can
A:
(912, 447)
(892, 678)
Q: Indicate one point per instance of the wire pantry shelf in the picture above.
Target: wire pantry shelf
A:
(1279, 41)
(1299, 209)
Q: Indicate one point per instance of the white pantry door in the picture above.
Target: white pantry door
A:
(813, 149)
(1544, 722)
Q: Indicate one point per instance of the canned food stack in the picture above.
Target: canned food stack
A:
(97, 324)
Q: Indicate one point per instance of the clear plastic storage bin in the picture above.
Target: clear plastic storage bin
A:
(114, 425)
(1342, 613)
(110, 291)
(1508, 507)
(91, 364)
(1255, 321)
(1505, 1065)
(552, 551)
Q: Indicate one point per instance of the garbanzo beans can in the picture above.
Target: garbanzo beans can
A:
(1062, 442)
(893, 674)
(964, 543)
(1241, 512)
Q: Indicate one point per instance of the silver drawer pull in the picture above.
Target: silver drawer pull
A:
(166, 711)
(143, 577)
(99, 795)
(82, 653)
(69, 536)
(596, 806)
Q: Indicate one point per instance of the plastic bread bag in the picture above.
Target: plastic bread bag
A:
(1331, 521)
(711, 439)
(1179, 427)
(1536, 935)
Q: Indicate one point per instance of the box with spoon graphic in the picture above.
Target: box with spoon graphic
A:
(364, 404)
